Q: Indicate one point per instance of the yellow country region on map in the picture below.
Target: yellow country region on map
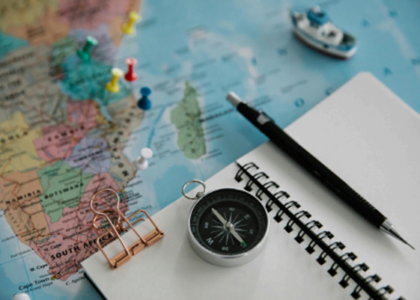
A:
(17, 151)
(19, 12)
(36, 21)
(19, 198)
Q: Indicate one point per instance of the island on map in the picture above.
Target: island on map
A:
(186, 117)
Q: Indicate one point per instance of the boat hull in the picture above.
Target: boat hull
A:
(324, 48)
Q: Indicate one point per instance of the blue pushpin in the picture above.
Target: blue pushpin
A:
(144, 103)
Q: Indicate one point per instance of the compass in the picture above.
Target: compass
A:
(227, 227)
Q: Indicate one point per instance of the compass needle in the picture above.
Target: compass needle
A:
(233, 242)
(237, 236)
(219, 216)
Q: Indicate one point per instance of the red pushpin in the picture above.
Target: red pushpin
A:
(130, 75)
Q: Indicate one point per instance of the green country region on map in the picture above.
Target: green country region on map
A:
(63, 186)
(186, 117)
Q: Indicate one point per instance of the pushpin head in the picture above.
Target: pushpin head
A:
(113, 86)
(141, 162)
(144, 103)
(145, 91)
(129, 27)
(90, 40)
(84, 54)
(21, 296)
(130, 75)
(133, 16)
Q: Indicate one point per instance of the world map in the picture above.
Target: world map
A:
(63, 136)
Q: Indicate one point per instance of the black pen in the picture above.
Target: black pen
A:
(267, 126)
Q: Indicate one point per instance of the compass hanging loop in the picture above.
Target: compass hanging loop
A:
(199, 194)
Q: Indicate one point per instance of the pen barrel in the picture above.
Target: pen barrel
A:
(314, 166)
(323, 174)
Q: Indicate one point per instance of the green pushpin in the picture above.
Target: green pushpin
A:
(84, 54)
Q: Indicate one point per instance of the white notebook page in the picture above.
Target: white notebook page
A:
(364, 134)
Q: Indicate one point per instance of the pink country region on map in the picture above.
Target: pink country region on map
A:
(72, 237)
(58, 142)
(90, 14)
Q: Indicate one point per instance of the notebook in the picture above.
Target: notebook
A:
(362, 132)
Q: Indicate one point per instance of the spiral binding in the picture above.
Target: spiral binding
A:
(301, 220)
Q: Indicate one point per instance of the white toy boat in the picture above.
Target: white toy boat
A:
(315, 29)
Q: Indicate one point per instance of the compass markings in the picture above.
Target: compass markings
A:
(221, 239)
(236, 224)
(235, 219)
(233, 222)
(223, 233)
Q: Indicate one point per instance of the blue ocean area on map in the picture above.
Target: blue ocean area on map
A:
(243, 46)
(177, 175)
(15, 267)
(258, 58)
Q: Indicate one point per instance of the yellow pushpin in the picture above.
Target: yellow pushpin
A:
(129, 27)
(113, 86)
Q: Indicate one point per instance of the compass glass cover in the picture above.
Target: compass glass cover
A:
(228, 221)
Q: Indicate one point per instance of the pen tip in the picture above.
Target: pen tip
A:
(233, 98)
(390, 229)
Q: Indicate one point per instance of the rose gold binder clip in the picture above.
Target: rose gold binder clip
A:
(115, 231)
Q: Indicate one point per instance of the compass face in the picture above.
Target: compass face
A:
(228, 222)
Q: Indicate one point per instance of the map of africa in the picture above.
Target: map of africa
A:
(63, 136)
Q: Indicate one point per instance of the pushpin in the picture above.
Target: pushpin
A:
(141, 162)
(144, 103)
(21, 296)
(129, 27)
(130, 75)
(84, 53)
(113, 86)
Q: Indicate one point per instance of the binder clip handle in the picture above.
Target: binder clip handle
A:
(92, 201)
(117, 229)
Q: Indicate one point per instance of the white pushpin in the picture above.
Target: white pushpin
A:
(141, 162)
(21, 296)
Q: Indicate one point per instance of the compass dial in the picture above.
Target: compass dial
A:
(228, 222)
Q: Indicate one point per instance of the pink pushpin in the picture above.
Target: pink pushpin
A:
(130, 75)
